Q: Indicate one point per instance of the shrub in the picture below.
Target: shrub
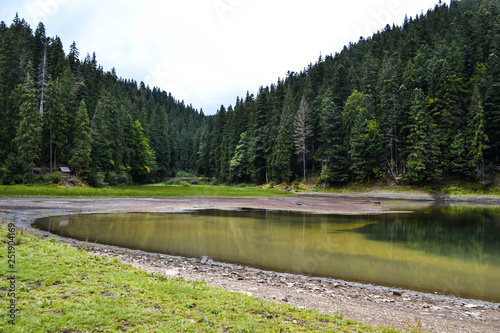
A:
(12, 171)
(54, 178)
(75, 182)
(96, 179)
(28, 178)
(183, 183)
(184, 174)
(172, 182)
(118, 179)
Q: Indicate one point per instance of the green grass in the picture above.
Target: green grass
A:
(61, 289)
(457, 188)
(158, 190)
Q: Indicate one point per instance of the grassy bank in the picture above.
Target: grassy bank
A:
(61, 289)
(461, 188)
(139, 191)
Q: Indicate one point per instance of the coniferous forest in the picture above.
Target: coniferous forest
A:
(413, 104)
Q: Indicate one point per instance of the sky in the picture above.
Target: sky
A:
(208, 52)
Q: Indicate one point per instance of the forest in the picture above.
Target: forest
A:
(413, 104)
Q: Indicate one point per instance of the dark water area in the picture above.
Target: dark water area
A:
(450, 250)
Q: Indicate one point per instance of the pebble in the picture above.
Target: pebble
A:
(396, 293)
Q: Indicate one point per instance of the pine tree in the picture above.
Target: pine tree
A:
(477, 139)
(216, 149)
(28, 132)
(160, 141)
(258, 162)
(332, 152)
(240, 163)
(282, 153)
(423, 149)
(142, 157)
(447, 111)
(80, 159)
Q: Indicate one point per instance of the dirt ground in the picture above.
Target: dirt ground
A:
(375, 305)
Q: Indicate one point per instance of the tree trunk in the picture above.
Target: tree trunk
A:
(50, 145)
(304, 163)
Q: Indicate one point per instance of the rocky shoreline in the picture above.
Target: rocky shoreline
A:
(375, 305)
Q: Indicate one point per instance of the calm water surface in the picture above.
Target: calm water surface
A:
(451, 250)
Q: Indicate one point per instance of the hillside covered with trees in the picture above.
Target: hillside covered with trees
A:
(413, 104)
(56, 110)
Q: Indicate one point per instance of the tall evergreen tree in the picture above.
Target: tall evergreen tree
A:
(80, 159)
(142, 157)
(258, 165)
(332, 152)
(28, 132)
(423, 147)
(478, 138)
(240, 162)
(281, 156)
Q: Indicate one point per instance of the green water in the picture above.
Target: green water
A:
(450, 250)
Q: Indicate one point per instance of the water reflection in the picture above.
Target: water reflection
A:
(451, 250)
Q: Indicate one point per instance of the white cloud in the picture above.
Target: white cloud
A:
(207, 52)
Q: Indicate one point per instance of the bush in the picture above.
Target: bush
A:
(183, 183)
(194, 181)
(54, 178)
(29, 178)
(96, 179)
(118, 179)
(172, 182)
(12, 171)
(42, 179)
(75, 182)
(184, 174)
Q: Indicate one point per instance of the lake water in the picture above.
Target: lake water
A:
(450, 250)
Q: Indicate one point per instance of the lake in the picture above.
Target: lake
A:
(446, 249)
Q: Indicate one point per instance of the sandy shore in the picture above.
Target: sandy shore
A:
(381, 306)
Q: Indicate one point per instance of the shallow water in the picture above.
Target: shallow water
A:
(450, 250)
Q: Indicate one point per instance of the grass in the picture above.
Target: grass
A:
(61, 289)
(159, 190)
(451, 188)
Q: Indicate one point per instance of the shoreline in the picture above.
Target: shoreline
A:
(374, 305)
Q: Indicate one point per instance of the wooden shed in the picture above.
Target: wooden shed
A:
(65, 171)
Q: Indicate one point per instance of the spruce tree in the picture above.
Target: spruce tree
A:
(282, 153)
(240, 162)
(332, 152)
(423, 149)
(478, 138)
(28, 138)
(80, 159)
(142, 157)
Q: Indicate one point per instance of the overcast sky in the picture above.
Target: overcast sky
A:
(207, 52)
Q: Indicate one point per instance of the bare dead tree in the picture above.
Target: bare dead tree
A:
(302, 132)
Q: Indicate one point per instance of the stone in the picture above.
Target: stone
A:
(396, 293)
